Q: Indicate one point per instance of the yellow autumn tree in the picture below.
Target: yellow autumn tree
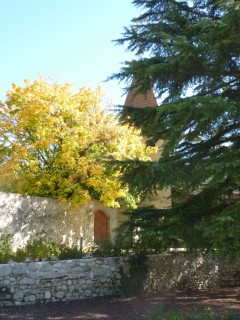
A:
(52, 140)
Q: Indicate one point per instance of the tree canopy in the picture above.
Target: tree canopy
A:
(189, 53)
(52, 141)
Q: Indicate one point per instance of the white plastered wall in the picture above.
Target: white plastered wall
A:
(162, 199)
(31, 218)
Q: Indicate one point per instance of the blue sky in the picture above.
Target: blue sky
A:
(68, 40)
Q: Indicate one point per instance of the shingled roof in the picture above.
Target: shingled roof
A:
(140, 100)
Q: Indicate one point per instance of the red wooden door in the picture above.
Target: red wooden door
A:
(100, 227)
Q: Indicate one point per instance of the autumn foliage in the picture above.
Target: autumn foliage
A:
(53, 141)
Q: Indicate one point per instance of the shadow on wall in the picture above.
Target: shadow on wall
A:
(36, 218)
(187, 272)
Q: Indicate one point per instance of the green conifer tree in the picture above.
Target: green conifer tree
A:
(191, 57)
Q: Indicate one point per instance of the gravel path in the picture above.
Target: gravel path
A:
(134, 308)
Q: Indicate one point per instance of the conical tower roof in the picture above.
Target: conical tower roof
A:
(140, 100)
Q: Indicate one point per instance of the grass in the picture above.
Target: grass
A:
(192, 313)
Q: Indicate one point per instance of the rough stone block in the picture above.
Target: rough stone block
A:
(18, 296)
(5, 270)
(28, 298)
(47, 295)
(59, 295)
(19, 268)
(26, 281)
(88, 293)
(52, 274)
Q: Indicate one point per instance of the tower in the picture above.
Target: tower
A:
(141, 100)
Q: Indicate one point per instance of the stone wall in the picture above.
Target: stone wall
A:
(32, 282)
(180, 272)
(37, 218)
(28, 283)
